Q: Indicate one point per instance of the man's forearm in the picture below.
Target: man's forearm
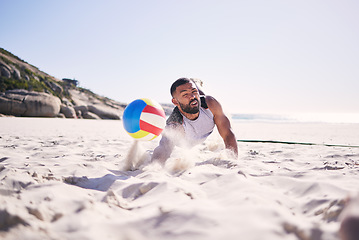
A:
(231, 143)
(164, 150)
(161, 154)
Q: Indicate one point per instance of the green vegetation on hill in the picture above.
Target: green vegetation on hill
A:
(30, 80)
(31, 84)
(15, 73)
(11, 55)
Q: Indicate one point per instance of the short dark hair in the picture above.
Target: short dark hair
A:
(179, 82)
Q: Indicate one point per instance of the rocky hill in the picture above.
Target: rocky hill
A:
(27, 91)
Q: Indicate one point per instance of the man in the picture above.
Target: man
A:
(193, 120)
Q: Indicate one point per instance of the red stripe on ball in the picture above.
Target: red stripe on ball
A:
(154, 110)
(145, 126)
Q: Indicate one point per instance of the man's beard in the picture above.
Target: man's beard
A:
(189, 109)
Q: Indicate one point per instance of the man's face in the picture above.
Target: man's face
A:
(186, 97)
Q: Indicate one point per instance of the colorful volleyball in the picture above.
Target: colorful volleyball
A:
(144, 119)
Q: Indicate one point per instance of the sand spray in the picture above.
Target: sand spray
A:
(136, 156)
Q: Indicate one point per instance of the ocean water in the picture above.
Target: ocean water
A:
(298, 118)
(317, 129)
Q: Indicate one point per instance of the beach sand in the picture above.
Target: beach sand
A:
(87, 179)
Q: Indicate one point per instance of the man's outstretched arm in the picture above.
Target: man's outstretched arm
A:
(171, 136)
(223, 124)
(163, 151)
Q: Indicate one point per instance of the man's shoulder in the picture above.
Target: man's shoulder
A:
(210, 101)
(175, 118)
(213, 105)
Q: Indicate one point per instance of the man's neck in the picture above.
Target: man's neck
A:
(190, 116)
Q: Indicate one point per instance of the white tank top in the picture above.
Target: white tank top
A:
(198, 130)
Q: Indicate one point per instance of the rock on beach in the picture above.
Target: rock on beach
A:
(25, 103)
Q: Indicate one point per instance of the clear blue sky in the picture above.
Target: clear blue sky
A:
(254, 56)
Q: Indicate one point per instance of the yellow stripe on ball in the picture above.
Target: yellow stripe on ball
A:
(151, 103)
(139, 134)
(142, 135)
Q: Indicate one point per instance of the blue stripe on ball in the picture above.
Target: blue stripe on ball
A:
(132, 114)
